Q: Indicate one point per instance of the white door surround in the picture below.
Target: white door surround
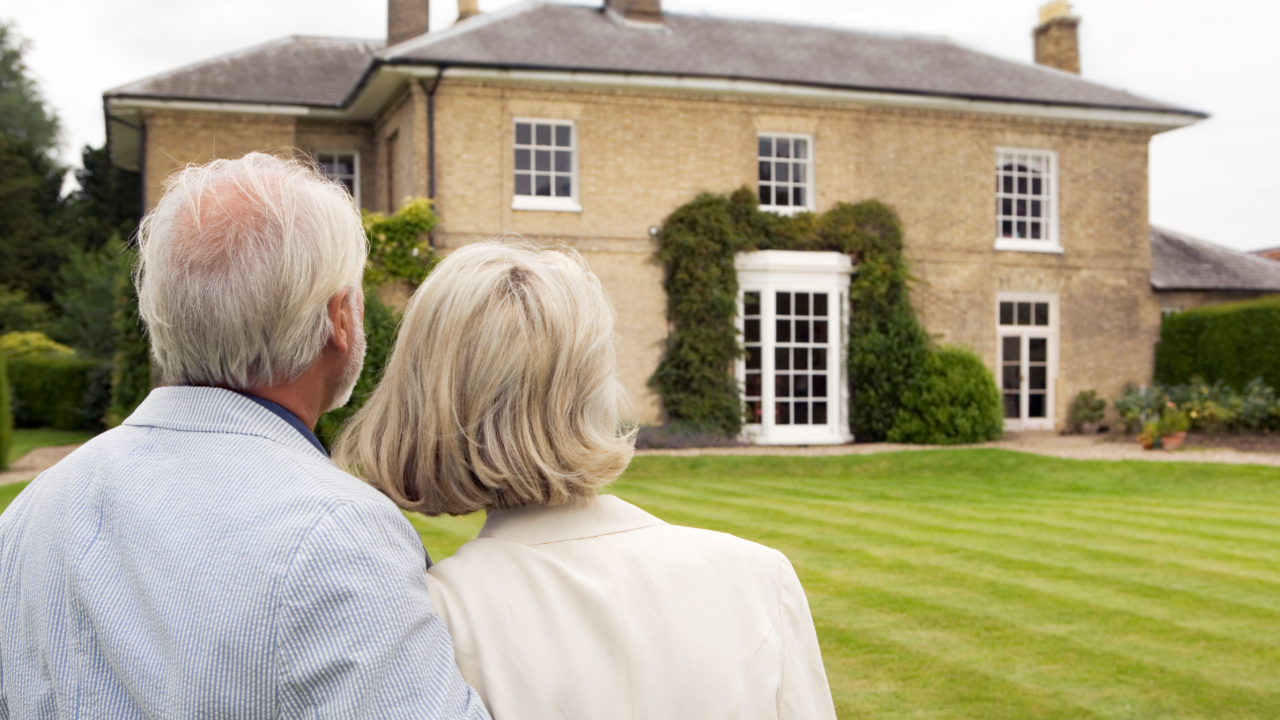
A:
(1027, 358)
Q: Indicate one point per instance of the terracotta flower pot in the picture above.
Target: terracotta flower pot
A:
(1174, 441)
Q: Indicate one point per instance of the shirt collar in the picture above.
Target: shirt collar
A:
(288, 417)
(209, 409)
(539, 524)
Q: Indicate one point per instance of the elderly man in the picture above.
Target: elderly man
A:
(206, 559)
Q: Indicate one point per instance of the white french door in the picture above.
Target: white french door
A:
(1028, 363)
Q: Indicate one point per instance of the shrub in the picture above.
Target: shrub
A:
(31, 344)
(1136, 405)
(954, 399)
(6, 416)
(1259, 407)
(66, 393)
(885, 358)
(1234, 343)
(18, 312)
(1173, 421)
(131, 363)
(1086, 407)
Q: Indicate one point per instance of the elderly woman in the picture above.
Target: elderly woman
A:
(501, 396)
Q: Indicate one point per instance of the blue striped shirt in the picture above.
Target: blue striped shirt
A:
(205, 560)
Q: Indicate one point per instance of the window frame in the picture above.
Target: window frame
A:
(1053, 242)
(355, 180)
(770, 272)
(811, 185)
(546, 204)
(1052, 333)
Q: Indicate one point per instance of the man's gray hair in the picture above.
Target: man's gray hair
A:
(236, 268)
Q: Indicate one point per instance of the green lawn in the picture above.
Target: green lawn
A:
(991, 584)
(27, 439)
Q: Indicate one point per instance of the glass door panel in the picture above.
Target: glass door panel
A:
(1011, 376)
(1037, 377)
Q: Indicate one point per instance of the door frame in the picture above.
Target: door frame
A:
(1051, 332)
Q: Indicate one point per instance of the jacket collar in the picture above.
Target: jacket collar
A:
(538, 524)
(214, 410)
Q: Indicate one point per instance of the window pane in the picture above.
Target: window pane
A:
(524, 134)
(819, 413)
(562, 135)
(1022, 207)
(802, 413)
(564, 188)
(802, 148)
(1037, 377)
(784, 331)
(1035, 405)
(801, 385)
(1038, 350)
(523, 160)
(766, 147)
(766, 170)
(1006, 229)
(784, 303)
(783, 197)
(1011, 377)
(524, 185)
(1006, 313)
(1021, 231)
(1012, 350)
(802, 331)
(542, 185)
(754, 413)
(782, 386)
(542, 160)
(797, 172)
(1035, 186)
(1035, 230)
(751, 303)
(800, 358)
(802, 303)
(782, 413)
(1006, 206)
(1024, 313)
(751, 330)
(820, 331)
(781, 359)
(819, 386)
(1011, 406)
(346, 165)
(1008, 184)
(820, 304)
(766, 194)
(753, 360)
(753, 385)
(564, 161)
(1022, 186)
(819, 358)
(326, 166)
(1035, 208)
(797, 196)
(781, 171)
(543, 135)
(1042, 313)
(783, 147)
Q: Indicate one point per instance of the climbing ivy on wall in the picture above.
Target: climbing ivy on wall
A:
(696, 245)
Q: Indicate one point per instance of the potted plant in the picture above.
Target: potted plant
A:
(1149, 438)
(1173, 427)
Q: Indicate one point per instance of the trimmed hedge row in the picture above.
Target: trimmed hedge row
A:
(60, 392)
(1234, 343)
(6, 416)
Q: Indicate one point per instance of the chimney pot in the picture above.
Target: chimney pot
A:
(1057, 37)
(648, 12)
(468, 8)
(407, 19)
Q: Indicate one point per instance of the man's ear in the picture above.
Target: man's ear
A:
(342, 317)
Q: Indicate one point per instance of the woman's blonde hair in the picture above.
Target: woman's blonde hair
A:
(500, 391)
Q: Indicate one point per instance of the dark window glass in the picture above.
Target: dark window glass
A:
(820, 331)
(1021, 231)
(1022, 186)
(780, 171)
(766, 147)
(1035, 231)
(802, 331)
(522, 160)
(753, 384)
(524, 134)
(1024, 313)
(1035, 208)
(1012, 377)
(801, 385)
(1006, 206)
(564, 161)
(562, 135)
(782, 386)
(820, 304)
(1035, 186)
(542, 185)
(784, 148)
(819, 358)
(797, 196)
(563, 186)
(751, 303)
(1006, 228)
(766, 194)
(346, 165)
(1011, 405)
(819, 413)
(542, 160)
(543, 134)
(1022, 208)
(783, 331)
(1012, 349)
(524, 185)
(784, 303)
(800, 358)
(782, 413)
(782, 197)
(781, 359)
(797, 172)
(1008, 182)
(802, 148)
(1037, 378)
(753, 411)
(1035, 406)
(753, 359)
(819, 386)
(765, 170)
(802, 303)
(751, 330)
(802, 413)
(1042, 313)
(1038, 350)
(1006, 313)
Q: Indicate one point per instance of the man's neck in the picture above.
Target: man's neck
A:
(306, 397)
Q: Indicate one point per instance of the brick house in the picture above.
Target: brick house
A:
(1022, 188)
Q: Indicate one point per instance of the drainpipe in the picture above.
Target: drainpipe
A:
(431, 140)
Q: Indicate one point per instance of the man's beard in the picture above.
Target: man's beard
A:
(351, 373)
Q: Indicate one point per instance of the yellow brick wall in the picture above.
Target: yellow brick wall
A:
(315, 136)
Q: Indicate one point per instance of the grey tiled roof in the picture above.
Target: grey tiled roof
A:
(293, 71)
(540, 35)
(1179, 262)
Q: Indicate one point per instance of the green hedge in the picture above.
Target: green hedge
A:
(954, 399)
(1234, 343)
(6, 416)
(61, 393)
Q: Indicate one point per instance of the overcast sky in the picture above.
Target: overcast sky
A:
(1213, 180)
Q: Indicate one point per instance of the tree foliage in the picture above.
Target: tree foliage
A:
(953, 399)
(24, 115)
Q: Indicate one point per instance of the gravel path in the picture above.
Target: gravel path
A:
(34, 463)
(1072, 447)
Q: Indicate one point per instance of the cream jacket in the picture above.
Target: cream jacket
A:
(605, 612)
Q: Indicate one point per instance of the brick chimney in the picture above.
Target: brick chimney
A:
(1057, 39)
(468, 8)
(644, 12)
(407, 19)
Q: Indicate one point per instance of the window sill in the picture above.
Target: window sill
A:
(1037, 246)
(528, 202)
(785, 209)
